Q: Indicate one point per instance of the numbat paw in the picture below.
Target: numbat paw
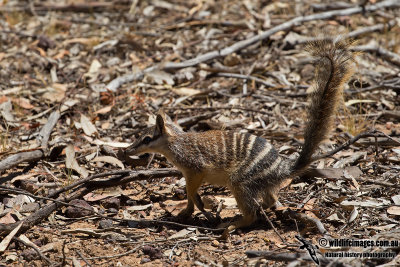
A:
(185, 213)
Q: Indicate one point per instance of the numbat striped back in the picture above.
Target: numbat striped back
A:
(247, 164)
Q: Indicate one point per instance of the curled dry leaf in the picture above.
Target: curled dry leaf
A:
(396, 199)
(180, 234)
(110, 160)
(353, 215)
(7, 219)
(229, 202)
(94, 67)
(184, 91)
(160, 77)
(104, 110)
(358, 101)
(370, 203)
(4, 243)
(68, 104)
(55, 92)
(139, 207)
(87, 126)
(86, 41)
(111, 144)
(71, 162)
(22, 102)
(93, 72)
(394, 210)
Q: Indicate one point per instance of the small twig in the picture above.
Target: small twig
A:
(278, 256)
(373, 133)
(381, 86)
(82, 181)
(115, 256)
(353, 34)
(63, 253)
(162, 222)
(370, 180)
(268, 220)
(83, 258)
(122, 175)
(221, 107)
(345, 145)
(245, 77)
(389, 137)
(389, 114)
(305, 218)
(380, 51)
(331, 6)
(219, 209)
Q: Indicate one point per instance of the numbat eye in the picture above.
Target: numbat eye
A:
(146, 140)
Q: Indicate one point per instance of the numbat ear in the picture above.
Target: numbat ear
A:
(165, 125)
(160, 125)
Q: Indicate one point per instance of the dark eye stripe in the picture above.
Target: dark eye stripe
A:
(147, 140)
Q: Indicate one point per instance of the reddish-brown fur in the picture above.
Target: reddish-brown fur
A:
(248, 165)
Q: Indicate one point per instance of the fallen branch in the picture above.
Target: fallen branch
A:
(116, 83)
(133, 176)
(34, 155)
(43, 213)
(84, 188)
(82, 181)
(120, 177)
(142, 222)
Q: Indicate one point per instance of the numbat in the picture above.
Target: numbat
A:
(247, 164)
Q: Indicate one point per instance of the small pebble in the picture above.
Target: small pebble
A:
(76, 212)
(111, 203)
(215, 243)
(105, 223)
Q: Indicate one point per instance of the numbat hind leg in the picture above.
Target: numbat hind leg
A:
(245, 221)
(269, 199)
(248, 208)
